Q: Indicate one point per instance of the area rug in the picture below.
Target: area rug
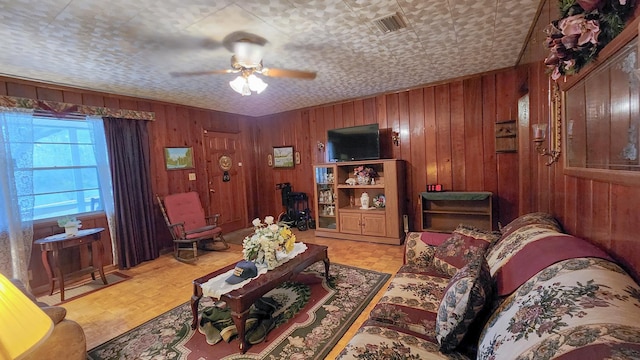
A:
(313, 317)
(75, 291)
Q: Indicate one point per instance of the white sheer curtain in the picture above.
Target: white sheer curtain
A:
(96, 127)
(16, 191)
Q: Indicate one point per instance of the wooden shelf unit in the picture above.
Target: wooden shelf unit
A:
(444, 211)
(347, 220)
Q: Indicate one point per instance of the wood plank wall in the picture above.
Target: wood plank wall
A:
(600, 211)
(175, 126)
(447, 136)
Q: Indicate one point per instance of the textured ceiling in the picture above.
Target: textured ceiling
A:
(131, 47)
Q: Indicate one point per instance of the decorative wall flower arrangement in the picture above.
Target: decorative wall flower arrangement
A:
(584, 28)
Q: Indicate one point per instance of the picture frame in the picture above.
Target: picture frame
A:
(283, 157)
(178, 158)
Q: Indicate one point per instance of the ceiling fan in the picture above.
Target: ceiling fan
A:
(246, 61)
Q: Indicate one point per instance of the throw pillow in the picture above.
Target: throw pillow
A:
(465, 243)
(464, 298)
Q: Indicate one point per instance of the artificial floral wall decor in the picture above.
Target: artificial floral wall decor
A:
(584, 28)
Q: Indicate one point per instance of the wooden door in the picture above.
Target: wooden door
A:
(226, 187)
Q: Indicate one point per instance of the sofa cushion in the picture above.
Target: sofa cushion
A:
(375, 340)
(411, 300)
(464, 244)
(464, 298)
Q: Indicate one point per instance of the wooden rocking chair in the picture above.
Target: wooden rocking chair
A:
(189, 226)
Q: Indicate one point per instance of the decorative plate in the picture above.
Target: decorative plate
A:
(225, 162)
(379, 201)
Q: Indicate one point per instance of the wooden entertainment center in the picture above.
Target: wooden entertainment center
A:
(339, 212)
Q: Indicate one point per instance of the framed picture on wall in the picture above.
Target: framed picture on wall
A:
(283, 157)
(178, 158)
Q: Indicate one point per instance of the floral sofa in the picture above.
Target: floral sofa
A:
(528, 292)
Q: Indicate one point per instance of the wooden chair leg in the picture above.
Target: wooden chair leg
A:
(195, 250)
(221, 239)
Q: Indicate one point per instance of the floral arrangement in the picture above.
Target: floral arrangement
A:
(267, 239)
(365, 172)
(69, 221)
(584, 28)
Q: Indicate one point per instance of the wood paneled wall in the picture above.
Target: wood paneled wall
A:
(600, 211)
(175, 126)
(447, 136)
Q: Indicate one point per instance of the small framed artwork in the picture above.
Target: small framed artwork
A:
(178, 158)
(283, 157)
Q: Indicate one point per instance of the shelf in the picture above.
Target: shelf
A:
(376, 186)
(456, 212)
(357, 209)
(444, 211)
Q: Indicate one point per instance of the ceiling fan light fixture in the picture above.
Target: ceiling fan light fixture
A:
(240, 85)
(256, 84)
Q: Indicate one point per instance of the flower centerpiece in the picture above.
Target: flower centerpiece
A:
(584, 28)
(70, 224)
(364, 174)
(268, 239)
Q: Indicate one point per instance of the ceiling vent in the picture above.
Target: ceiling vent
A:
(389, 24)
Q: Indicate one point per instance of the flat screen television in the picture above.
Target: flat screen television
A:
(354, 143)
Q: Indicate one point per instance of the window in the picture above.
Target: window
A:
(65, 174)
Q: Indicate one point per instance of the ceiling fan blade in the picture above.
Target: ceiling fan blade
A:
(288, 73)
(209, 72)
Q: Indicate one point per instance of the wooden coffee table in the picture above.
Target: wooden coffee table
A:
(240, 300)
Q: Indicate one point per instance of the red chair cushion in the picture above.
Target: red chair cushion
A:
(185, 207)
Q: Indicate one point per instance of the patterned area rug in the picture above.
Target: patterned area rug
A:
(314, 316)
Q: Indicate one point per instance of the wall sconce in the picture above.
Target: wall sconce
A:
(395, 137)
(539, 136)
(540, 130)
(320, 146)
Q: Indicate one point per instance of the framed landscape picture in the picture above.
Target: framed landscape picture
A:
(283, 157)
(178, 158)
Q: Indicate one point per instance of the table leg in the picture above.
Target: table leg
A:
(195, 300)
(239, 320)
(326, 268)
(47, 267)
(98, 259)
(59, 274)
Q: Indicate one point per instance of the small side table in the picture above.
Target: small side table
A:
(51, 245)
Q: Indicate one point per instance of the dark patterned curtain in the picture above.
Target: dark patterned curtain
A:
(128, 143)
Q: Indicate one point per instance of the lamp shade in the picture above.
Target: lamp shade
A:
(256, 84)
(23, 325)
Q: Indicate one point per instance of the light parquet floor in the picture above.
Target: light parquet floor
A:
(162, 284)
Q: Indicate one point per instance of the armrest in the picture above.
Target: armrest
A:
(213, 219)
(67, 341)
(177, 230)
(56, 313)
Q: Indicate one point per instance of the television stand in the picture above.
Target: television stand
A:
(339, 210)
